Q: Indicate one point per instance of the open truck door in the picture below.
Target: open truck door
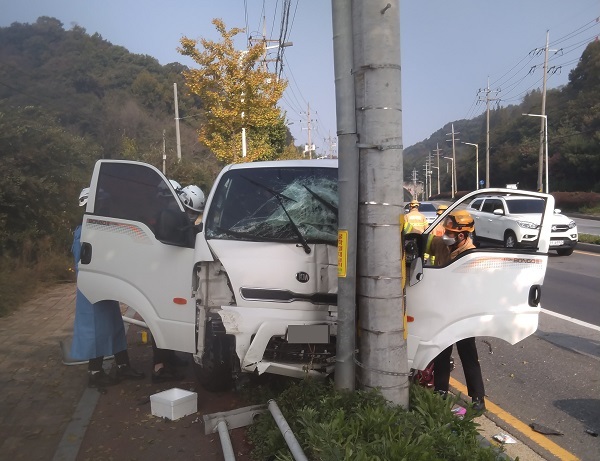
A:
(138, 248)
(483, 292)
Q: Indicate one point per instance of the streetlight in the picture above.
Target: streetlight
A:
(545, 117)
(476, 162)
(452, 160)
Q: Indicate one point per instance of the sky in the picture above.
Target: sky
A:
(449, 49)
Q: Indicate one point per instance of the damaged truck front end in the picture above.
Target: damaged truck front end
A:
(266, 288)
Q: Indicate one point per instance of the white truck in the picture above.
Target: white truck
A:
(253, 288)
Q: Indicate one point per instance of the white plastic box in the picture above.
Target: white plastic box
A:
(174, 403)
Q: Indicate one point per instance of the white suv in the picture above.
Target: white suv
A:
(515, 221)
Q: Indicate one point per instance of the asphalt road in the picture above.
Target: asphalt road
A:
(572, 286)
(587, 226)
(553, 377)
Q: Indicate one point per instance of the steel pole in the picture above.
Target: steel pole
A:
(341, 14)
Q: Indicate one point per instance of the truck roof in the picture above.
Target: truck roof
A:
(313, 163)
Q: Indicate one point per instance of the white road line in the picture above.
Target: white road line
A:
(571, 319)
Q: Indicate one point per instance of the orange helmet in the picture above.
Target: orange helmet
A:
(441, 209)
(459, 221)
(413, 204)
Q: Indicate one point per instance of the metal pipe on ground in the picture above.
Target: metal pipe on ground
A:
(287, 433)
(228, 453)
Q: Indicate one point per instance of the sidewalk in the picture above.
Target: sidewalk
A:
(48, 413)
(38, 394)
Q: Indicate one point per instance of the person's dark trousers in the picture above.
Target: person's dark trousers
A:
(164, 356)
(467, 351)
(121, 358)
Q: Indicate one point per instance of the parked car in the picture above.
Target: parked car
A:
(427, 208)
(515, 221)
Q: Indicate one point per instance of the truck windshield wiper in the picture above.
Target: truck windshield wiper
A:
(279, 198)
(330, 206)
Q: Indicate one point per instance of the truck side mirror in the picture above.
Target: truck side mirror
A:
(415, 272)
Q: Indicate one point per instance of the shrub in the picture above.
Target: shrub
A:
(576, 201)
(335, 425)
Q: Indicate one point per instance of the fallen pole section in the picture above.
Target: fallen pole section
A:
(287, 433)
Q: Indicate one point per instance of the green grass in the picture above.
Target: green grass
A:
(20, 280)
(335, 425)
(587, 238)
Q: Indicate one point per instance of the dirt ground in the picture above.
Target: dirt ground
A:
(123, 427)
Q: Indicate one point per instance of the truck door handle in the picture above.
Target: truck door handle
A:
(535, 295)
(86, 253)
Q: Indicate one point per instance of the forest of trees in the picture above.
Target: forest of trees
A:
(574, 138)
(68, 98)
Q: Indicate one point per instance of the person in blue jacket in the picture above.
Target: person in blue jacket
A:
(98, 330)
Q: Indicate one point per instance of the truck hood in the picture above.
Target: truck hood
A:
(279, 273)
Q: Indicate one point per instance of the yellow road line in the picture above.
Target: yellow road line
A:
(587, 253)
(538, 438)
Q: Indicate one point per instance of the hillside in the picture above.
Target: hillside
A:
(573, 138)
(68, 99)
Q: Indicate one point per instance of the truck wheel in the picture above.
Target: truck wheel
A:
(510, 240)
(216, 372)
(565, 252)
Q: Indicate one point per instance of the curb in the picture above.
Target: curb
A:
(588, 247)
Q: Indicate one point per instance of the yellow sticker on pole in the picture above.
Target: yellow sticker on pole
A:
(342, 248)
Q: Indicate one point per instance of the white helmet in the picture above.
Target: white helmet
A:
(83, 196)
(165, 192)
(192, 197)
(175, 185)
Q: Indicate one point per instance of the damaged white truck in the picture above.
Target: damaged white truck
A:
(253, 288)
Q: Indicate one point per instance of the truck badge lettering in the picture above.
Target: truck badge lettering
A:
(302, 277)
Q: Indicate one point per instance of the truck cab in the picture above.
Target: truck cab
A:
(253, 287)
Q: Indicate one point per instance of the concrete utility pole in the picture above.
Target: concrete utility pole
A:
(310, 146)
(437, 153)
(178, 137)
(544, 121)
(487, 132)
(382, 352)
(476, 162)
(164, 154)
(341, 14)
(454, 183)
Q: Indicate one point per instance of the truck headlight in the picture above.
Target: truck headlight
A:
(527, 224)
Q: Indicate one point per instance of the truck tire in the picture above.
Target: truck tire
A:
(215, 374)
(565, 252)
(510, 240)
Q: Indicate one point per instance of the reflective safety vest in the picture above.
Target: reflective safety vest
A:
(415, 222)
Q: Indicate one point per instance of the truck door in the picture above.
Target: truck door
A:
(484, 292)
(137, 248)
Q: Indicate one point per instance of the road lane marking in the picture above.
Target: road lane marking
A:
(571, 319)
(587, 253)
(505, 416)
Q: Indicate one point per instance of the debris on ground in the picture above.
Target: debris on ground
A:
(504, 438)
(544, 429)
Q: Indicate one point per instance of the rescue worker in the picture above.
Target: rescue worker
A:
(436, 246)
(98, 330)
(457, 229)
(415, 222)
(193, 199)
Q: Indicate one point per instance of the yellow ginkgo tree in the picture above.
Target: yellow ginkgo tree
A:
(236, 92)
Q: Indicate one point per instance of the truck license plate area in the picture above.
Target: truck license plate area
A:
(308, 334)
(555, 243)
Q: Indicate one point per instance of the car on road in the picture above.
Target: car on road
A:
(427, 208)
(515, 222)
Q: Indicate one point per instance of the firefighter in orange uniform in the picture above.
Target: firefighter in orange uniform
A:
(415, 222)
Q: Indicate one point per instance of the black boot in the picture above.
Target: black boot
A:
(127, 372)
(99, 379)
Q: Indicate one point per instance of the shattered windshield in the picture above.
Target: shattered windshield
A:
(289, 204)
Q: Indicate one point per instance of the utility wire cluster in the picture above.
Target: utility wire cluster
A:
(525, 76)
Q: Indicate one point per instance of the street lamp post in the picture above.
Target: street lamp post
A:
(476, 162)
(545, 117)
(453, 186)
